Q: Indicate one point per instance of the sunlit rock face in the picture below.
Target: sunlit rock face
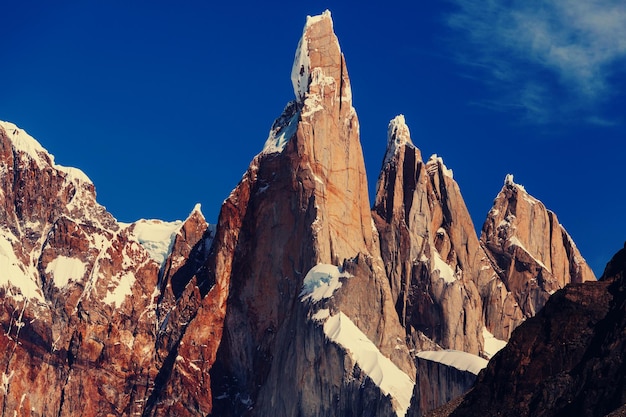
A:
(532, 253)
(304, 202)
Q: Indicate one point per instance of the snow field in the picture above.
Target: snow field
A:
(384, 373)
(63, 269)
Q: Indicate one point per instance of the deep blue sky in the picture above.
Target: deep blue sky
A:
(164, 105)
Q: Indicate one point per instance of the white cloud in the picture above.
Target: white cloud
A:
(542, 49)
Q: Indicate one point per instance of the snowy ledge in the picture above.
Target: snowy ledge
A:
(385, 374)
(462, 361)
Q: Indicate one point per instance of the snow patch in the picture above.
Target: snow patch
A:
(492, 345)
(321, 315)
(301, 66)
(6, 379)
(384, 373)
(508, 180)
(281, 134)
(13, 273)
(321, 282)
(301, 70)
(119, 288)
(63, 269)
(514, 241)
(445, 270)
(435, 163)
(462, 361)
(156, 236)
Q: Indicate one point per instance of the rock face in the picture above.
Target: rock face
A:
(79, 291)
(300, 301)
(303, 202)
(567, 360)
(531, 252)
(429, 247)
(441, 377)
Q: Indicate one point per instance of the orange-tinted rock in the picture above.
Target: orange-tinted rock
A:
(435, 264)
(532, 253)
(302, 202)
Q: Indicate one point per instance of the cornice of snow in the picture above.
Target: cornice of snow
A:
(460, 360)
(25, 143)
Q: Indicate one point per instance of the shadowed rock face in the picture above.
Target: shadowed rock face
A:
(567, 360)
(429, 246)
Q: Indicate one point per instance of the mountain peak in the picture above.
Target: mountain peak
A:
(398, 135)
(29, 146)
(318, 65)
(509, 182)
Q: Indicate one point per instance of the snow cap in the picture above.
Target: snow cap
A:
(398, 135)
(435, 162)
(508, 181)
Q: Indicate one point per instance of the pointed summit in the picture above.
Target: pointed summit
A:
(320, 83)
(533, 253)
(398, 135)
(319, 71)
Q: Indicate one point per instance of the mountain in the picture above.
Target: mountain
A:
(301, 300)
(567, 360)
(530, 250)
(306, 266)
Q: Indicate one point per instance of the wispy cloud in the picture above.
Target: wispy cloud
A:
(535, 51)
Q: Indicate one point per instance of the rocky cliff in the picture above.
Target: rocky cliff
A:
(432, 256)
(301, 300)
(305, 205)
(82, 295)
(566, 360)
(530, 250)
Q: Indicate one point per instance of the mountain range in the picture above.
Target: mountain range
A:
(303, 299)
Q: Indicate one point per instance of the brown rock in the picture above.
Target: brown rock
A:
(532, 253)
(566, 360)
(436, 267)
(302, 202)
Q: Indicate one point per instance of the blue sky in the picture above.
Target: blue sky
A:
(163, 105)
